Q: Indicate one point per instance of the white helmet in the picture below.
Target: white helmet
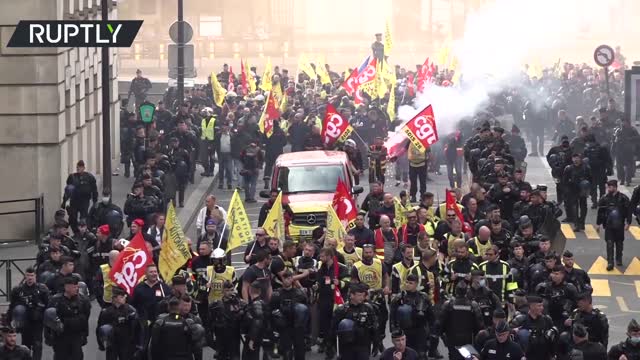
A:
(218, 253)
(259, 97)
(350, 143)
(124, 242)
(231, 94)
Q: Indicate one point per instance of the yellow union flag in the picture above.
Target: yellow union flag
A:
(274, 222)
(238, 223)
(265, 83)
(391, 106)
(335, 229)
(400, 212)
(218, 91)
(175, 250)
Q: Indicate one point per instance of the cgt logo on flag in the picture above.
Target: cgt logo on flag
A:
(112, 33)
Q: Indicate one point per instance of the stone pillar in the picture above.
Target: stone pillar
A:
(50, 112)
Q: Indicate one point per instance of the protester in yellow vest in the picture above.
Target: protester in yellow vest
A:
(400, 270)
(351, 253)
(480, 243)
(218, 273)
(417, 170)
(207, 138)
(106, 284)
(370, 270)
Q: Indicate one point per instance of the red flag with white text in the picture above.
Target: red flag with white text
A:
(131, 264)
(334, 128)
(421, 130)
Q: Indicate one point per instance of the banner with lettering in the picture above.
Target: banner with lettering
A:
(421, 130)
(131, 264)
(175, 250)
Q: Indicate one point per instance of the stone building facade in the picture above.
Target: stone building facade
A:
(50, 111)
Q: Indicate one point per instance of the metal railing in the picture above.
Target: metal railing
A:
(9, 265)
(38, 212)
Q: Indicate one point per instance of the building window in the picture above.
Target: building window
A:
(210, 26)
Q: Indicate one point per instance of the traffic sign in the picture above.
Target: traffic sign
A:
(188, 32)
(189, 67)
(604, 55)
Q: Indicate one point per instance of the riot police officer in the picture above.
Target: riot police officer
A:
(411, 312)
(10, 350)
(535, 331)
(576, 179)
(26, 308)
(578, 277)
(558, 158)
(460, 320)
(355, 324)
(624, 149)
(82, 189)
(174, 337)
(560, 296)
(73, 310)
(615, 216)
(225, 316)
(255, 323)
(584, 348)
(601, 165)
(179, 158)
(501, 347)
(486, 299)
(106, 213)
(630, 348)
(118, 329)
(593, 319)
(290, 315)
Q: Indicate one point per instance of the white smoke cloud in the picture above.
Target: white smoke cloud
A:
(503, 36)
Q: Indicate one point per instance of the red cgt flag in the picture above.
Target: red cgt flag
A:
(421, 130)
(334, 128)
(424, 75)
(243, 79)
(350, 84)
(452, 204)
(232, 79)
(131, 264)
(269, 114)
(344, 205)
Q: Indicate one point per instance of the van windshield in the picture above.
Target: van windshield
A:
(301, 179)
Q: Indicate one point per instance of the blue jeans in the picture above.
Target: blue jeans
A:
(250, 186)
(225, 168)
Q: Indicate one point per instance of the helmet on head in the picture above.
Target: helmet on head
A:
(19, 317)
(350, 143)
(218, 253)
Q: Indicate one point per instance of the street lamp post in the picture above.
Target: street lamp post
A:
(106, 109)
(180, 92)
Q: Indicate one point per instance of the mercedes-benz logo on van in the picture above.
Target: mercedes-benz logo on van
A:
(311, 219)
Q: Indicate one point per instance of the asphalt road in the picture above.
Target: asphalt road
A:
(616, 293)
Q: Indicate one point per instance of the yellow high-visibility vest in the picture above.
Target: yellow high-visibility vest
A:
(217, 281)
(208, 129)
(370, 274)
(107, 284)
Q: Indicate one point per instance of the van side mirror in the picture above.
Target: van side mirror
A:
(265, 194)
(357, 189)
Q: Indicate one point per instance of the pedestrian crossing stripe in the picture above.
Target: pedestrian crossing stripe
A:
(633, 268)
(591, 232)
(568, 231)
(599, 267)
(637, 284)
(635, 232)
(600, 287)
